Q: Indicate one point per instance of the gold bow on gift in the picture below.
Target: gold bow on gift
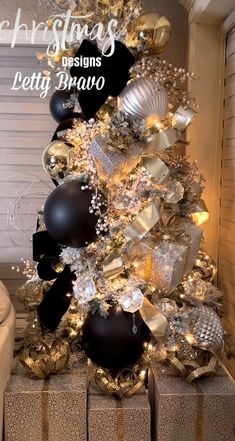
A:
(42, 359)
(127, 382)
(197, 371)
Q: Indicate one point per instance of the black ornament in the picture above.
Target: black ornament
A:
(115, 70)
(57, 109)
(65, 125)
(110, 342)
(67, 215)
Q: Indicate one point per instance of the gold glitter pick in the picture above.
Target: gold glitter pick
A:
(145, 221)
(182, 117)
(156, 168)
(156, 322)
(113, 266)
(161, 141)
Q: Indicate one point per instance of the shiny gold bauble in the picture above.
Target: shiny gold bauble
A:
(56, 159)
(150, 31)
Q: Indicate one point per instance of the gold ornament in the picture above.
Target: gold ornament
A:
(56, 159)
(151, 31)
(144, 98)
(30, 294)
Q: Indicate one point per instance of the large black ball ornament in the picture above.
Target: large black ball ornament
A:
(110, 342)
(67, 216)
(62, 127)
(58, 108)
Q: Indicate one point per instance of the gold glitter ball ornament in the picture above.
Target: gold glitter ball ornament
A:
(30, 294)
(150, 31)
(144, 98)
(205, 330)
(56, 159)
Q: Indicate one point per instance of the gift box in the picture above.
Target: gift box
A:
(113, 419)
(46, 410)
(203, 410)
(112, 164)
(162, 263)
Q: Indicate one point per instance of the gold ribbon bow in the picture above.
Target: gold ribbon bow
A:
(42, 359)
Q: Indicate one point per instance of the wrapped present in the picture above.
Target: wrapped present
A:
(113, 419)
(113, 163)
(162, 263)
(48, 410)
(203, 410)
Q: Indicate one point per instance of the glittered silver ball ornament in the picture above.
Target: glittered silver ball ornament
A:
(206, 329)
(56, 159)
(144, 98)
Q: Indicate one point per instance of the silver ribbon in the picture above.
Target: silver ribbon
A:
(160, 141)
(182, 117)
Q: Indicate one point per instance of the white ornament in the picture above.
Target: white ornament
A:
(132, 301)
(84, 290)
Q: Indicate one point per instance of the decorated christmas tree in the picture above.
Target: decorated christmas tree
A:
(121, 274)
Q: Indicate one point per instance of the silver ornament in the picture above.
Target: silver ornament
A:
(56, 159)
(206, 329)
(132, 301)
(144, 98)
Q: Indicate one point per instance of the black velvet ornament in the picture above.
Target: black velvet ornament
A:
(67, 215)
(57, 109)
(110, 342)
(115, 70)
(65, 125)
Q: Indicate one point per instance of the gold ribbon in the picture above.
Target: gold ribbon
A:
(156, 168)
(155, 321)
(145, 221)
(182, 117)
(200, 213)
(42, 360)
(45, 410)
(197, 372)
(119, 421)
(126, 384)
(161, 141)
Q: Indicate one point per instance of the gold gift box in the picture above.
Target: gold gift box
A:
(46, 410)
(203, 410)
(113, 419)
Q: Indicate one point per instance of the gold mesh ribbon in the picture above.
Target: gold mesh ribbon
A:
(126, 383)
(182, 367)
(42, 360)
(155, 321)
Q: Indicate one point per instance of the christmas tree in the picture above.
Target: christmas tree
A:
(121, 273)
